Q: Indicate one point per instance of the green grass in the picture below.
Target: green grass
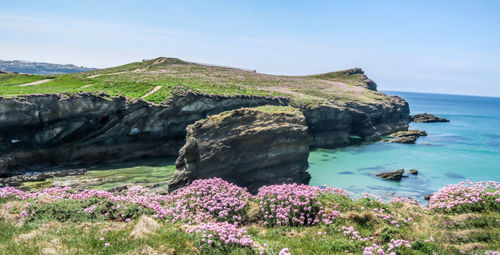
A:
(17, 79)
(145, 172)
(135, 80)
(278, 109)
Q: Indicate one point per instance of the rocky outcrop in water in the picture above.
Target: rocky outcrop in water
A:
(427, 118)
(38, 131)
(413, 132)
(405, 140)
(248, 147)
(408, 137)
(393, 176)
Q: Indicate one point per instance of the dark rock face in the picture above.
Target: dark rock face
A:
(331, 125)
(53, 129)
(428, 197)
(427, 118)
(43, 130)
(393, 176)
(248, 147)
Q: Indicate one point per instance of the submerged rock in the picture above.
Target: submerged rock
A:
(427, 118)
(393, 176)
(249, 147)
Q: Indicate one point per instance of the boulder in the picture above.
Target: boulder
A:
(249, 147)
(413, 171)
(393, 176)
(427, 118)
(428, 197)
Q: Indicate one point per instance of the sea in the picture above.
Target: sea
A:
(466, 148)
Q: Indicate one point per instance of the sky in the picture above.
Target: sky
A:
(434, 46)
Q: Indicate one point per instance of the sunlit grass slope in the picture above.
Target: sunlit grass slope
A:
(170, 75)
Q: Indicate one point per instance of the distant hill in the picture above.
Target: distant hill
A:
(21, 66)
(157, 80)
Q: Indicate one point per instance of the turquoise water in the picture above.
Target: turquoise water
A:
(466, 148)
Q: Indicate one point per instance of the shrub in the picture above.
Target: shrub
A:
(84, 210)
(295, 205)
(389, 233)
(467, 197)
(209, 199)
(363, 218)
(225, 232)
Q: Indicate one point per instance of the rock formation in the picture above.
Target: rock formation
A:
(331, 125)
(393, 176)
(55, 129)
(43, 130)
(407, 137)
(427, 118)
(404, 139)
(249, 147)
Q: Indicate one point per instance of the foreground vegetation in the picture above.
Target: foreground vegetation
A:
(215, 217)
(159, 79)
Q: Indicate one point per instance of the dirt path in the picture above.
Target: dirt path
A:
(34, 83)
(152, 91)
(97, 75)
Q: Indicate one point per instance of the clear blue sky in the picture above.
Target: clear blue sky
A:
(426, 46)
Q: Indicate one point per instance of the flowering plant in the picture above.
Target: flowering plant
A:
(295, 205)
(467, 197)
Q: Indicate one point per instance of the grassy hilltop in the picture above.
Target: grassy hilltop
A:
(158, 80)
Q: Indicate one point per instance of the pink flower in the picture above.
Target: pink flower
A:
(284, 251)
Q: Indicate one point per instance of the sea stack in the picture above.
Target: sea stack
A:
(250, 147)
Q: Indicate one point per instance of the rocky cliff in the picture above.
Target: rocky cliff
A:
(333, 124)
(54, 129)
(58, 129)
(249, 147)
